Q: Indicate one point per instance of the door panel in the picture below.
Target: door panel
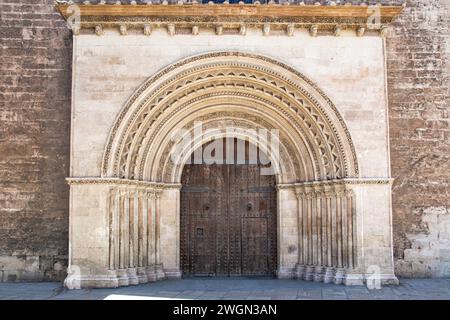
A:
(254, 247)
(228, 221)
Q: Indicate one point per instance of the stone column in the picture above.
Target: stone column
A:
(132, 237)
(159, 266)
(142, 238)
(300, 268)
(151, 223)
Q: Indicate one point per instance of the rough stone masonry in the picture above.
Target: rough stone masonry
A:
(418, 52)
(35, 86)
(35, 97)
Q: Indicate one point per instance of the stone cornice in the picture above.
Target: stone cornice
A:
(161, 185)
(221, 17)
(123, 182)
(347, 181)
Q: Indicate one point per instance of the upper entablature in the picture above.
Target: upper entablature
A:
(231, 16)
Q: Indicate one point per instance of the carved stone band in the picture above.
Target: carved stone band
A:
(175, 18)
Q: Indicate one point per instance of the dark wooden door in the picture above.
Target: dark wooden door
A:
(228, 221)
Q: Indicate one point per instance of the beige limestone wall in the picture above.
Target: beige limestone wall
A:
(374, 228)
(287, 233)
(170, 231)
(89, 229)
(109, 68)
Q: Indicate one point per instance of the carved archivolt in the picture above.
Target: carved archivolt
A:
(224, 89)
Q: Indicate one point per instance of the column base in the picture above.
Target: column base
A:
(329, 275)
(172, 273)
(309, 274)
(285, 273)
(132, 276)
(319, 274)
(339, 276)
(142, 275)
(122, 277)
(300, 271)
(73, 282)
(151, 273)
(160, 275)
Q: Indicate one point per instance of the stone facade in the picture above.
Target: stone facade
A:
(121, 148)
(35, 112)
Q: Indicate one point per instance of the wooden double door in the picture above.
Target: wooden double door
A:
(228, 221)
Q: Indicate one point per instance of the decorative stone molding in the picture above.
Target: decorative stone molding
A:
(290, 30)
(219, 30)
(123, 30)
(171, 29)
(313, 30)
(266, 29)
(124, 182)
(345, 181)
(337, 31)
(98, 30)
(360, 31)
(242, 29)
(384, 31)
(184, 15)
(147, 29)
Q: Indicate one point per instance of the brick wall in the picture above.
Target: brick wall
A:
(418, 52)
(35, 71)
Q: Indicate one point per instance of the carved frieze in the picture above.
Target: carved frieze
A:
(315, 18)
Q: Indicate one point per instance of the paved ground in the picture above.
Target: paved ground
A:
(229, 289)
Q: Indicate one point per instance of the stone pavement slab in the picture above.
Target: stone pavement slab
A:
(233, 289)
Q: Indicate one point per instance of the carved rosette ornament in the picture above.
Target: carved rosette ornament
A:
(173, 16)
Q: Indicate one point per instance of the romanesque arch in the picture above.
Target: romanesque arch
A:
(224, 89)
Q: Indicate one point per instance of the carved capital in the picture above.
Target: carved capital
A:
(123, 30)
(242, 29)
(99, 30)
(360, 31)
(337, 31)
(384, 31)
(313, 30)
(171, 29)
(266, 29)
(147, 29)
(75, 30)
(219, 30)
(290, 30)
